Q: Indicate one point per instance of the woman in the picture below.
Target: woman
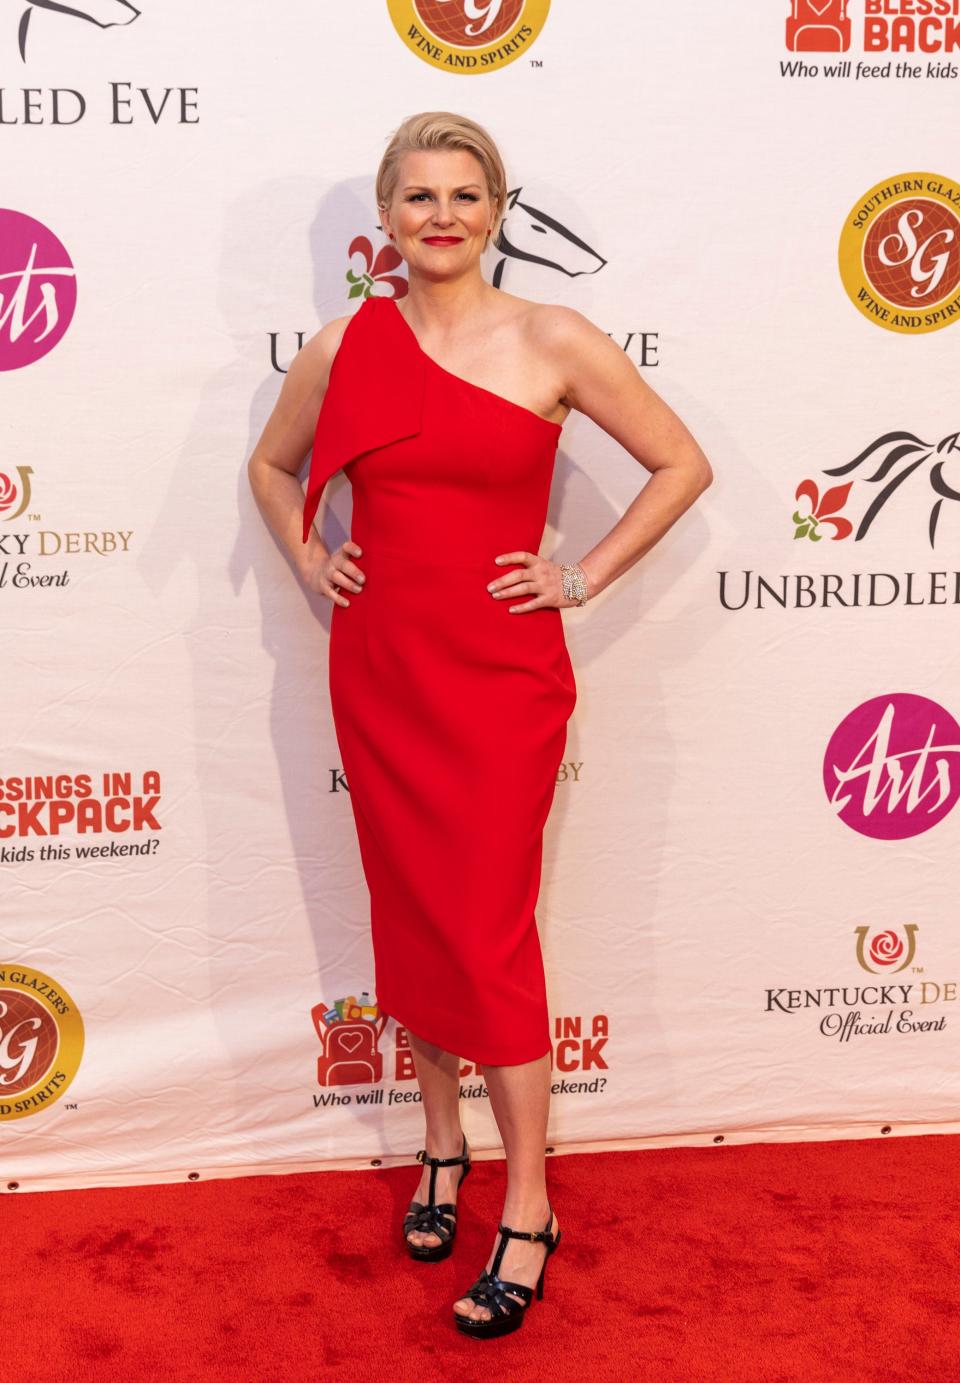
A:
(450, 682)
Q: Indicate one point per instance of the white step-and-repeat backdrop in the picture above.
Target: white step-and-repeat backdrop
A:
(748, 909)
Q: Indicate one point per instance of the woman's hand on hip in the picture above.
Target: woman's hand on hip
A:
(335, 570)
(538, 578)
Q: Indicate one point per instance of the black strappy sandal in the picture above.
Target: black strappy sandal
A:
(489, 1290)
(435, 1219)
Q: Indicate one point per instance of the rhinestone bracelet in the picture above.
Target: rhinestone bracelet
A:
(574, 583)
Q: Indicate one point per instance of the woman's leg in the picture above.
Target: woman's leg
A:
(438, 1075)
(520, 1099)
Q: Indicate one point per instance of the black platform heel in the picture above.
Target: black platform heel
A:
(490, 1291)
(433, 1219)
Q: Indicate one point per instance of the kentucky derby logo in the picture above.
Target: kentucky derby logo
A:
(468, 36)
(349, 1031)
(14, 498)
(890, 460)
(897, 1006)
(41, 1041)
(899, 253)
(886, 952)
(892, 766)
(38, 290)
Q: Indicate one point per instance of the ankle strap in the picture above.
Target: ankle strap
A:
(540, 1234)
(544, 1235)
(443, 1161)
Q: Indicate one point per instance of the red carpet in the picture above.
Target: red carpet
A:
(775, 1263)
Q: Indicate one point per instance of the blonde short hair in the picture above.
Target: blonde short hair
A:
(442, 129)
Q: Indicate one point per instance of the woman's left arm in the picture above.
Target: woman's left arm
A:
(602, 382)
(605, 384)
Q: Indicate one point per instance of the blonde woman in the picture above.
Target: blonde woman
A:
(450, 682)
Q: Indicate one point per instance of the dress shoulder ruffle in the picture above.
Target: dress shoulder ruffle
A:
(374, 397)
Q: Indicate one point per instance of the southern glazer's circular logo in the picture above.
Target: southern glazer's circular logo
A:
(41, 1041)
(900, 253)
(468, 36)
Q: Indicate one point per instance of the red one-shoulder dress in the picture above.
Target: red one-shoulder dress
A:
(450, 713)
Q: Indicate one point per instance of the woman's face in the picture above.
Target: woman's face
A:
(440, 211)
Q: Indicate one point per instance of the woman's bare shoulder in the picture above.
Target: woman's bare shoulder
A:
(559, 324)
(557, 334)
(553, 325)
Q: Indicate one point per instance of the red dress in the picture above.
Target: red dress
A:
(450, 713)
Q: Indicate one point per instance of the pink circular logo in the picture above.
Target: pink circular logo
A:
(38, 290)
(892, 767)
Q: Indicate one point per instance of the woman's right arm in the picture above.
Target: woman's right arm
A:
(279, 454)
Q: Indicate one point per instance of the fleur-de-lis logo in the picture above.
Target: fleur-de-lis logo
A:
(106, 14)
(822, 511)
(374, 279)
(886, 949)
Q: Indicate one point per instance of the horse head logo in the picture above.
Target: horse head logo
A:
(900, 454)
(106, 14)
(530, 234)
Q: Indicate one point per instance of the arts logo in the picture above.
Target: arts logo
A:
(104, 13)
(892, 767)
(41, 1041)
(886, 463)
(468, 36)
(14, 497)
(899, 253)
(887, 953)
(38, 290)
